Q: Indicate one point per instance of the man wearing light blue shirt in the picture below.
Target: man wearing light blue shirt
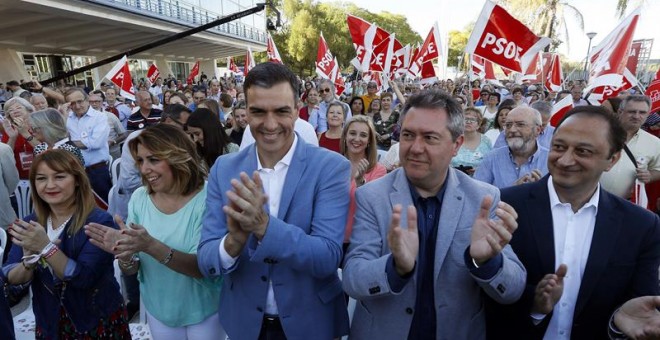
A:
(524, 160)
(318, 117)
(89, 130)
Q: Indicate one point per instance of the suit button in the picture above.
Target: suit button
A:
(212, 270)
(263, 278)
(259, 309)
(409, 310)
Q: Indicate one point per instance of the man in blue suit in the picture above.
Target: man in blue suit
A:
(587, 252)
(274, 223)
(428, 240)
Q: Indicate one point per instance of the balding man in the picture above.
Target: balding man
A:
(545, 136)
(523, 160)
(146, 115)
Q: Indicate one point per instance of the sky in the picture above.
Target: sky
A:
(599, 17)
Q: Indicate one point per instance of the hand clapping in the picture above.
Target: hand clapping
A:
(489, 236)
(246, 206)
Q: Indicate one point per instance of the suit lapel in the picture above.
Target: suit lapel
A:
(401, 195)
(539, 220)
(293, 176)
(606, 232)
(450, 215)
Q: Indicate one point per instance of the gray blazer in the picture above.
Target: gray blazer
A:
(383, 314)
(10, 179)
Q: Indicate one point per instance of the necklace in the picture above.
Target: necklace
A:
(49, 221)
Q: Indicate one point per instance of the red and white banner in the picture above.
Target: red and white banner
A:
(633, 56)
(608, 59)
(249, 61)
(430, 50)
(554, 77)
(560, 109)
(502, 39)
(653, 91)
(193, 73)
(326, 63)
(482, 69)
(153, 73)
(601, 93)
(231, 65)
(271, 51)
(120, 75)
(428, 73)
(338, 80)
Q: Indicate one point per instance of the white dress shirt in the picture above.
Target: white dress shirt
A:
(302, 127)
(92, 130)
(273, 181)
(572, 234)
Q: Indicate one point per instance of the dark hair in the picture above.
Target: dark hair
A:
(615, 102)
(269, 74)
(508, 102)
(437, 99)
(215, 138)
(351, 105)
(173, 111)
(100, 93)
(495, 94)
(212, 105)
(226, 100)
(617, 135)
(496, 122)
(517, 89)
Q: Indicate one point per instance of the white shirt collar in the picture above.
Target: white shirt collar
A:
(286, 160)
(554, 198)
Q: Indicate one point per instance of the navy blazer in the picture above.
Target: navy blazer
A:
(88, 294)
(622, 264)
(6, 320)
(299, 253)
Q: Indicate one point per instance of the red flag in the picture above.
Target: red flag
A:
(193, 73)
(381, 55)
(120, 75)
(365, 36)
(653, 91)
(554, 76)
(428, 73)
(249, 61)
(609, 58)
(560, 109)
(231, 65)
(338, 80)
(430, 49)
(411, 59)
(326, 65)
(272, 52)
(478, 66)
(153, 73)
(633, 56)
(500, 38)
(603, 92)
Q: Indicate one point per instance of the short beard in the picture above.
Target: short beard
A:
(516, 143)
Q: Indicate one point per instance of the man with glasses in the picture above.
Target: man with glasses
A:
(644, 148)
(146, 115)
(318, 117)
(89, 130)
(523, 160)
(117, 131)
(199, 94)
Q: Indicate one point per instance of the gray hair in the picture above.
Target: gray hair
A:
(436, 99)
(634, 98)
(23, 102)
(51, 123)
(545, 108)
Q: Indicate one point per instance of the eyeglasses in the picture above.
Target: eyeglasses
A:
(325, 90)
(519, 125)
(471, 120)
(372, 86)
(96, 101)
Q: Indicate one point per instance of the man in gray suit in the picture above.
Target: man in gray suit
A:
(428, 239)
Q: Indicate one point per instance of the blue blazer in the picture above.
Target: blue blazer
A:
(622, 264)
(300, 252)
(6, 320)
(89, 291)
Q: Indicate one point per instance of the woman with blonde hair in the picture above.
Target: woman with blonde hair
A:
(16, 134)
(75, 294)
(160, 243)
(475, 144)
(49, 128)
(358, 144)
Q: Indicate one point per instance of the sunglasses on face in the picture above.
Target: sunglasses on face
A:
(325, 90)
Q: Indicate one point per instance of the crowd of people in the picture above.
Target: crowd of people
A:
(255, 209)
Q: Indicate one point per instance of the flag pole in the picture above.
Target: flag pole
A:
(542, 73)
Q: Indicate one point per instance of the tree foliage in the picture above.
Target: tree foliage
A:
(304, 20)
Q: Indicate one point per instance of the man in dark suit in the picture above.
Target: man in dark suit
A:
(586, 251)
